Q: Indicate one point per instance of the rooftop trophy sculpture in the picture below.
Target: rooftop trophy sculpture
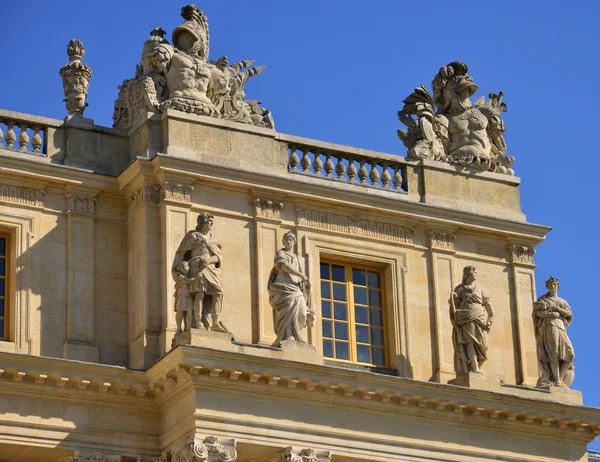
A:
(471, 316)
(178, 76)
(76, 79)
(447, 127)
(198, 281)
(289, 294)
(551, 316)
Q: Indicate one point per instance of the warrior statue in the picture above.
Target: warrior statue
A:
(179, 77)
(449, 128)
(551, 316)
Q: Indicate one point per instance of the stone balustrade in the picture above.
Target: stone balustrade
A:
(359, 167)
(18, 134)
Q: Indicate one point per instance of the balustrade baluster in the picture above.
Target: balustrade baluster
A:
(23, 138)
(36, 141)
(318, 165)
(294, 160)
(385, 176)
(363, 173)
(11, 137)
(305, 162)
(374, 175)
(397, 179)
(329, 167)
(351, 171)
(340, 168)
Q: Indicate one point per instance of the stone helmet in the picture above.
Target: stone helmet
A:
(192, 35)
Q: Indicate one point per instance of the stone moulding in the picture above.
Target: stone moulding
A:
(441, 240)
(521, 254)
(267, 208)
(354, 225)
(22, 195)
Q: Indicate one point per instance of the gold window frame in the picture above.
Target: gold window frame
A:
(4, 335)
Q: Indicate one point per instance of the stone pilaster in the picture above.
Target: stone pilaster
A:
(197, 449)
(81, 212)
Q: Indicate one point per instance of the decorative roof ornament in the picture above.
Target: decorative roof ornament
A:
(76, 78)
(447, 127)
(179, 76)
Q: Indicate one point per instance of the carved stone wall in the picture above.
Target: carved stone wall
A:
(22, 195)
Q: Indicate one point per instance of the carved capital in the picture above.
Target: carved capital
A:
(84, 205)
(22, 195)
(91, 457)
(292, 454)
(176, 191)
(441, 240)
(147, 194)
(209, 449)
(521, 254)
(267, 208)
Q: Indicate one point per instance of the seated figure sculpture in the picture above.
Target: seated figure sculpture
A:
(178, 76)
(449, 128)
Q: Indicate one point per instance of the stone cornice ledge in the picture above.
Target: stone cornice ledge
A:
(367, 390)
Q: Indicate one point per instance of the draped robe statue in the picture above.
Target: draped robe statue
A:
(288, 288)
(551, 316)
(471, 316)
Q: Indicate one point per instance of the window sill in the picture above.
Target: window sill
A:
(8, 347)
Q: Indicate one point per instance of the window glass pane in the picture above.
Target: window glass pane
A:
(342, 351)
(378, 357)
(325, 271)
(377, 337)
(325, 290)
(1, 308)
(2, 246)
(326, 309)
(361, 315)
(328, 348)
(2, 287)
(374, 298)
(1, 328)
(339, 273)
(374, 280)
(327, 330)
(362, 334)
(376, 317)
(2, 266)
(363, 354)
(339, 292)
(340, 311)
(341, 331)
(360, 296)
(359, 277)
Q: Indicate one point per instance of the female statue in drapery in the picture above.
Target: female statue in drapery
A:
(288, 294)
(471, 316)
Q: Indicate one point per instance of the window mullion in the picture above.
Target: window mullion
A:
(351, 320)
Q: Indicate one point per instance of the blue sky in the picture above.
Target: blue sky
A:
(338, 71)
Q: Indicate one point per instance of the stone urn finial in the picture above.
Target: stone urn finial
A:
(76, 78)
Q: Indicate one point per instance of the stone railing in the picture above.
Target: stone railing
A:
(22, 135)
(350, 165)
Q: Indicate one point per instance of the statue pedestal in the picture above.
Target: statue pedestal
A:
(296, 351)
(482, 381)
(206, 338)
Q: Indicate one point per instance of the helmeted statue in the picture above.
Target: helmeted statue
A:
(551, 316)
(178, 76)
(449, 128)
(471, 316)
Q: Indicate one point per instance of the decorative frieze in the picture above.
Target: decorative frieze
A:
(354, 225)
(176, 191)
(441, 240)
(22, 195)
(521, 254)
(91, 457)
(291, 454)
(85, 205)
(267, 208)
(147, 194)
(211, 449)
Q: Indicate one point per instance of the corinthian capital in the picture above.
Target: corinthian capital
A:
(292, 454)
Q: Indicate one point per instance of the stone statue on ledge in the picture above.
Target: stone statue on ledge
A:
(449, 128)
(76, 79)
(471, 316)
(551, 316)
(288, 294)
(179, 77)
(202, 253)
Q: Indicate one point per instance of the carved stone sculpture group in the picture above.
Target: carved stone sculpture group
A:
(179, 76)
(76, 78)
(449, 128)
